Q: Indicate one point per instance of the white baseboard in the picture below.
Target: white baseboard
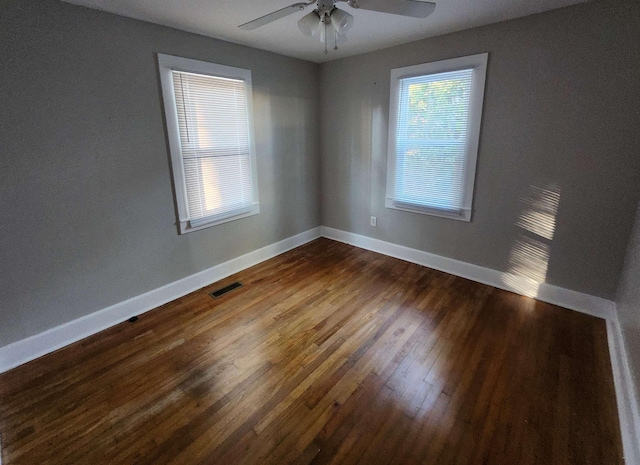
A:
(566, 298)
(41, 344)
(584, 303)
(625, 394)
(53, 339)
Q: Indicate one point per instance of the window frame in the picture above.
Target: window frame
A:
(167, 64)
(476, 62)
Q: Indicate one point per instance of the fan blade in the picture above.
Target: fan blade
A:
(413, 8)
(266, 19)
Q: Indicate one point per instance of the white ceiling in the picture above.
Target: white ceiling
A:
(371, 30)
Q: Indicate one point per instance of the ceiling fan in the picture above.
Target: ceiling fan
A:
(327, 20)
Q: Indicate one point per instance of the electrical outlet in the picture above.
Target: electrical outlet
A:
(373, 221)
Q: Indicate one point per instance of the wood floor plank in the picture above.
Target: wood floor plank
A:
(328, 354)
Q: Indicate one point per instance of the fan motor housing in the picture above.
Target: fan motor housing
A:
(325, 6)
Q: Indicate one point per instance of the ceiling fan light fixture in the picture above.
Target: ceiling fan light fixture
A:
(326, 31)
(328, 22)
(309, 24)
(341, 21)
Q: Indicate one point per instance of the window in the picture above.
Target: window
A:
(434, 128)
(208, 109)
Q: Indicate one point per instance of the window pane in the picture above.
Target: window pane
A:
(214, 135)
(430, 175)
(218, 185)
(431, 139)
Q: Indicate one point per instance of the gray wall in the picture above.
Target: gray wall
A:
(87, 216)
(561, 113)
(628, 303)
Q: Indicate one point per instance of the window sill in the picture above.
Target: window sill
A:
(462, 215)
(186, 227)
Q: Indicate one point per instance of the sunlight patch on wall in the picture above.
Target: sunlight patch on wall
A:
(539, 215)
(527, 266)
(529, 258)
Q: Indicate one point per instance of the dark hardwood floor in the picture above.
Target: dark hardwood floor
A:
(327, 354)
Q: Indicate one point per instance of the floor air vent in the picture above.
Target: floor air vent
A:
(224, 290)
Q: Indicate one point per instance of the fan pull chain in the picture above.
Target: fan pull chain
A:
(335, 40)
(326, 39)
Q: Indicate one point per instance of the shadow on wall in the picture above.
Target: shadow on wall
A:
(283, 148)
(529, 256)
(378, 176)
(353, 169)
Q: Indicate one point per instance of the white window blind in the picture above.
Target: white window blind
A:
(431, 140)
(214, 138)
(434, 129)
(208, 110)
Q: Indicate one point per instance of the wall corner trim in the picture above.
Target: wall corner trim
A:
(35, 346)
(627, 398)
